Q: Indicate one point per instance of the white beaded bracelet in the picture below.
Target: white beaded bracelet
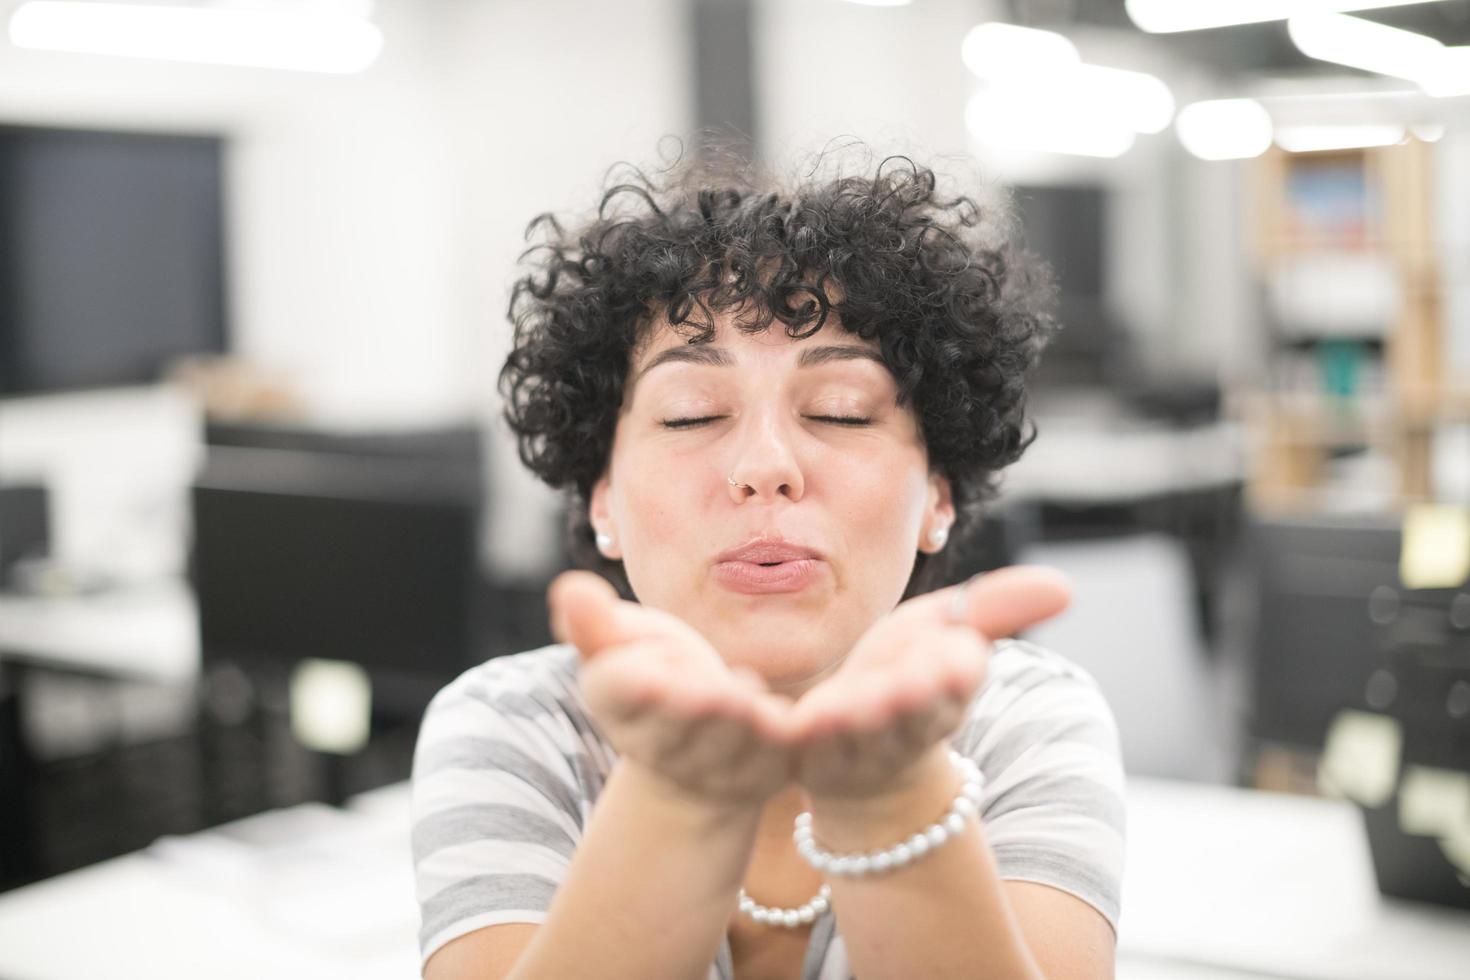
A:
(966, 804)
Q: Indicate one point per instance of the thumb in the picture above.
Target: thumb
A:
(585, 612)
(1010, 599)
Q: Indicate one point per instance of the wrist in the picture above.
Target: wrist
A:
(924, 791)
(665, 796)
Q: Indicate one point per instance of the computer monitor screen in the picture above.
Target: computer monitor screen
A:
(110, 256)
(1316, 645)
(383, 573)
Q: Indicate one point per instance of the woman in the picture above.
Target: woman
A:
(776, 408)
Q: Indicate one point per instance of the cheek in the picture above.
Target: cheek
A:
(880, 505)
(657, 512)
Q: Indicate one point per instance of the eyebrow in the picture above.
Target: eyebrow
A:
(712, 356)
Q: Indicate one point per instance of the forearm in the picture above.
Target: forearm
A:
(650, 890)
(945, 915)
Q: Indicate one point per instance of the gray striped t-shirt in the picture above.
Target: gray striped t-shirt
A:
(508, 766)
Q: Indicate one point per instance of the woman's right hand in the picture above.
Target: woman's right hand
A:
(667, 702)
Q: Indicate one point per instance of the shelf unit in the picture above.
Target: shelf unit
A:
(1364, 209)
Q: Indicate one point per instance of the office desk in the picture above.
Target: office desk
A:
(1222, 884)
(1101, 458)
(1271, 885)
(148, 632)
(143, 633)
(309, 892)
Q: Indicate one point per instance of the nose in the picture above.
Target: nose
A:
(765, 464)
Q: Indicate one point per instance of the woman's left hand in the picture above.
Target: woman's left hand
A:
(862, 733)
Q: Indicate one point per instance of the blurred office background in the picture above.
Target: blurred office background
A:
(257, 505)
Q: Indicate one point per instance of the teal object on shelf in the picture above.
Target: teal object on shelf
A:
(1341, 363)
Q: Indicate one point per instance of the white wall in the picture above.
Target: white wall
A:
(889, 75)
(1452, 231)
(543, 96)
(373, 219)
(337, 204)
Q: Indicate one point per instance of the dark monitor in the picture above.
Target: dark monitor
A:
(111, 256)
(1339, 631)
(1066, 226)
(374, 561)
(1316, 644)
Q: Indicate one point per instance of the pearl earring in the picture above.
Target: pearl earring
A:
(604, 540)
(938, 536)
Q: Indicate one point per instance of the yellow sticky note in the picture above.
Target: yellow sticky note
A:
(1360, 760)
(1436, 547)
(1433, 802)
(331, 705)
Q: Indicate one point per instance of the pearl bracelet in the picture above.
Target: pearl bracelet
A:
(966, 804)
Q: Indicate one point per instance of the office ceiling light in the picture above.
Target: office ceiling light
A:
(1142, 101)
(997, 51)
(1449, 74)
(1007, 119)
(1364, 44)
(1042, 67)
(1307, 138)
(305, 38)
(1168, 16)
(1224, 129)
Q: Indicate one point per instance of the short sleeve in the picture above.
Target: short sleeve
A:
(499, 801)
(1054, 806)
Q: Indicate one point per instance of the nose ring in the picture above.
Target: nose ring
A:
(731, 480)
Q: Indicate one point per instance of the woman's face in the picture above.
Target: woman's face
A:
(784, 573)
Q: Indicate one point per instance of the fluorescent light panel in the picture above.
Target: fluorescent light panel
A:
(1449, 75)
(1143, 102)
(1364, 44)
(1004, 118)
(305, 40)
(1306, 139)
(1167, 16)
(1043, 71)
(1224, 129)
(994, 50)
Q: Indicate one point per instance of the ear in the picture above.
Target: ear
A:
(600, 513)
(939, 514)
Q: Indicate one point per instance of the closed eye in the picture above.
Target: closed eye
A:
(853, 420)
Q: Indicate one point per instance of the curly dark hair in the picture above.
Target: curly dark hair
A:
(960, 318)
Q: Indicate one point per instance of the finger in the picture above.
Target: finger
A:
(624, 682)
(588, 614)
(749, 679)
(961, 661)
(854, 706)
(580, 604)
(814, 714)
(914, 691)
(771, 715)
(1008, 600)
(865, 709)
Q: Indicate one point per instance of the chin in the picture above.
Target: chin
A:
(784, 661)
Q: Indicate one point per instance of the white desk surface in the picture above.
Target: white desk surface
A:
(1273, 885)
(1221, 884)
(147, 632)
(1101, 459)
